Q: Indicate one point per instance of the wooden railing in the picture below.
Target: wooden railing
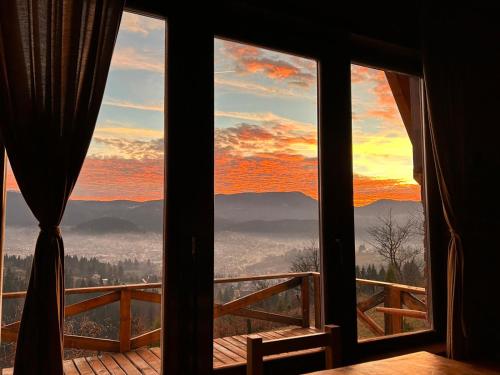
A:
(398, 301)
(240, 306)
(125, 294)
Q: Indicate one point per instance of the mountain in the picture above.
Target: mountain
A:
(273, 212)
(383, 205)
(146, 215)
(106, 225)
(265, 206)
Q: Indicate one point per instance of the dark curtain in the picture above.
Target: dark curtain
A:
(54, 61)
(445, 71)
(461, 60)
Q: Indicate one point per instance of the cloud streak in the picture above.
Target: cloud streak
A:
(129, 58)
(157, 107)
(259, 89)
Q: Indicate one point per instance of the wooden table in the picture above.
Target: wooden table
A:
(420, 363)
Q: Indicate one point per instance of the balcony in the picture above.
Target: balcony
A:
(136, 354)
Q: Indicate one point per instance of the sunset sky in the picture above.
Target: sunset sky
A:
(265, 124)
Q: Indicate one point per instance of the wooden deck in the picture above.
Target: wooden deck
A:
(228, 352)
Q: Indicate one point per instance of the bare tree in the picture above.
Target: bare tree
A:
(391, 240)
(307, 259)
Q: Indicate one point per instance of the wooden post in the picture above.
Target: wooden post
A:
(304, 286)
(333, 351)
(393, 323)
(317, 300)
(255, 364)
(125, 320)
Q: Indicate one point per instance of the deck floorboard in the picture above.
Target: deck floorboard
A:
(228, 351)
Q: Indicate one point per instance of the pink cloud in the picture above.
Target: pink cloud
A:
(251, 60)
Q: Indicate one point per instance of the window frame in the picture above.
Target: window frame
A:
(335, 160)
(190, 243)
(235, 22)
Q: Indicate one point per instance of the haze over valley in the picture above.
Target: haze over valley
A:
(255, 233)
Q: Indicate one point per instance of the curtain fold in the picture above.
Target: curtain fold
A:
(54, 60)
(445, 72)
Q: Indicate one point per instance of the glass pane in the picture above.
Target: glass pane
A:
(266, 185)
(113, 224)
(391, 257)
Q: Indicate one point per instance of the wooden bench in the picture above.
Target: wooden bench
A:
(257, 349)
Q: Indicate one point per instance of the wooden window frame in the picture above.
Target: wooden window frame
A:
(187, 313)
(334, 50)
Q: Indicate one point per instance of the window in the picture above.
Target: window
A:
(266, 202)
(113, 224)
(390, 246)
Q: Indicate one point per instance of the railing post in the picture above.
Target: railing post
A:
(393, 323)
(304, 286)
(125, 320)
(317, 300)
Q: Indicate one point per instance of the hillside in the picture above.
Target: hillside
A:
(273, 212)
(106, 225)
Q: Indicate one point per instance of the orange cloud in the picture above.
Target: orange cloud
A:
(368, 190)
(287, 172)
(249, 59)
(384, 107)
(140, 180)
(115, 178)
(266, 172)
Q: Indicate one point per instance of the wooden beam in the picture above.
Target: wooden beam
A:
(371, 302)
(9, 335)
(412, 302)
(141, 295)
(92, 303)
(333, 351)
(370, 323)
(92, 289)
(401, 287)
(125, 321)
(289, 344)
(402, 312)
(267, 316)
(149, 338)
(263, 277)
(317, 300)
(91, 343)
(254, 355)
(304, 294)
(255, 297)
(392, 323)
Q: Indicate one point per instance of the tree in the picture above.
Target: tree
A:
(391, 240)
(412, 274)
(307, 259)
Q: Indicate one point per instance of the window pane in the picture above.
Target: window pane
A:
(266, 185)
(113, 224)
(391, 259)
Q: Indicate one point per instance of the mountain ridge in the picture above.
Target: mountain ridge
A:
(249, 211)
